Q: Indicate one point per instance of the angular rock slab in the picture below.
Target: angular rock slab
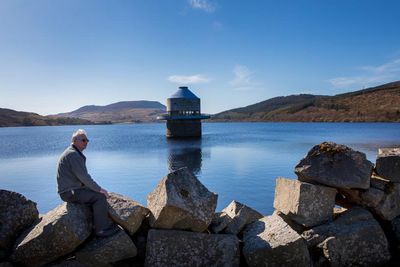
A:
(270, 241)
(241, 216)
(355, 238)
(104, 251)
(365, 198)
(388, 164)
(304, 203)
(181, 201)
(126, 212)
(383, 201)
(58, 233)
(16, 214)
(219, 222)
(389, 207)
(335, 165)
(182, 248)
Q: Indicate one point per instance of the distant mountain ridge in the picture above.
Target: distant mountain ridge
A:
(120, 112)
(375, 104)
(10, 118)
(121, 106)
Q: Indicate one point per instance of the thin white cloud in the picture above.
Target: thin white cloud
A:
(242, 77)
(204, 5)
(370, 75)
(217, 26)
(390, 67)
(193, 79)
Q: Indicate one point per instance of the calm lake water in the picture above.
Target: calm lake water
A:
(239, 161)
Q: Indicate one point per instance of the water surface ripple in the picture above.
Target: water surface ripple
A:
(236, 160)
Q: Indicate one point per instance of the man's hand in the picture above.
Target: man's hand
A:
(104, 192)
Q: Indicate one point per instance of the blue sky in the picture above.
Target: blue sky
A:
(59, 55)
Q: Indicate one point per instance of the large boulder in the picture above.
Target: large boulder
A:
(271, 241)
(16, 214)
(59, 232)
(181, 201)
(335, 165)
(354, 238)
(389, 207)
(182, 248)
(241, 216)
(304, 203)
(382, 198)
(126, 212)
(370, 197)
(105, 251)
(388, 164)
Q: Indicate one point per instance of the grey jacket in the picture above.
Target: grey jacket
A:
(72, 172)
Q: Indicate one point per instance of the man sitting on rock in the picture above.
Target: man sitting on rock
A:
(75, 185)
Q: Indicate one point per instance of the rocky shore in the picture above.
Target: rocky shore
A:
(343, 210)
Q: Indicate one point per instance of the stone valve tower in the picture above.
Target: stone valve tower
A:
(183, 114)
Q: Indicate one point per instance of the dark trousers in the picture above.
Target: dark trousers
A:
(96, 200)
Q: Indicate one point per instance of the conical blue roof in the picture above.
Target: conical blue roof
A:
(183, 92)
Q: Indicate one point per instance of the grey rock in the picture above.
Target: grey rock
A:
(385, 203)
(389, 207)
(372, 197)
(181, 201)
(355, 238)
(335, 165)
(182, 248)
(295, 226)
(388, 164)
(103, 251)
(126, 212)
(241, 216)
(58, 233)
(219, 222)
(6, 264)
(270, 241)
(366, 198)
(16, 214)
(379, 182)
(304, 203)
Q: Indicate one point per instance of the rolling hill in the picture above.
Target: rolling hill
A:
(9, 118)
(120, 112)
(375, 104)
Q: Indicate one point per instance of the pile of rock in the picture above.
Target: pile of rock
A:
(180, 227)
(63, 236)
(307, 229)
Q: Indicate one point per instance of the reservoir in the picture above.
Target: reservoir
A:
(238, 161)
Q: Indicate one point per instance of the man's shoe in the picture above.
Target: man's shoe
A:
(113, 229)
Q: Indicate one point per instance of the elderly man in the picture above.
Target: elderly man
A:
(75, 184)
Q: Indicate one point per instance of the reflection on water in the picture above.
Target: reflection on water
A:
(131, 159)
(185, 153)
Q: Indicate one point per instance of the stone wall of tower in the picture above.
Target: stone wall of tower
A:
(183, 128)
